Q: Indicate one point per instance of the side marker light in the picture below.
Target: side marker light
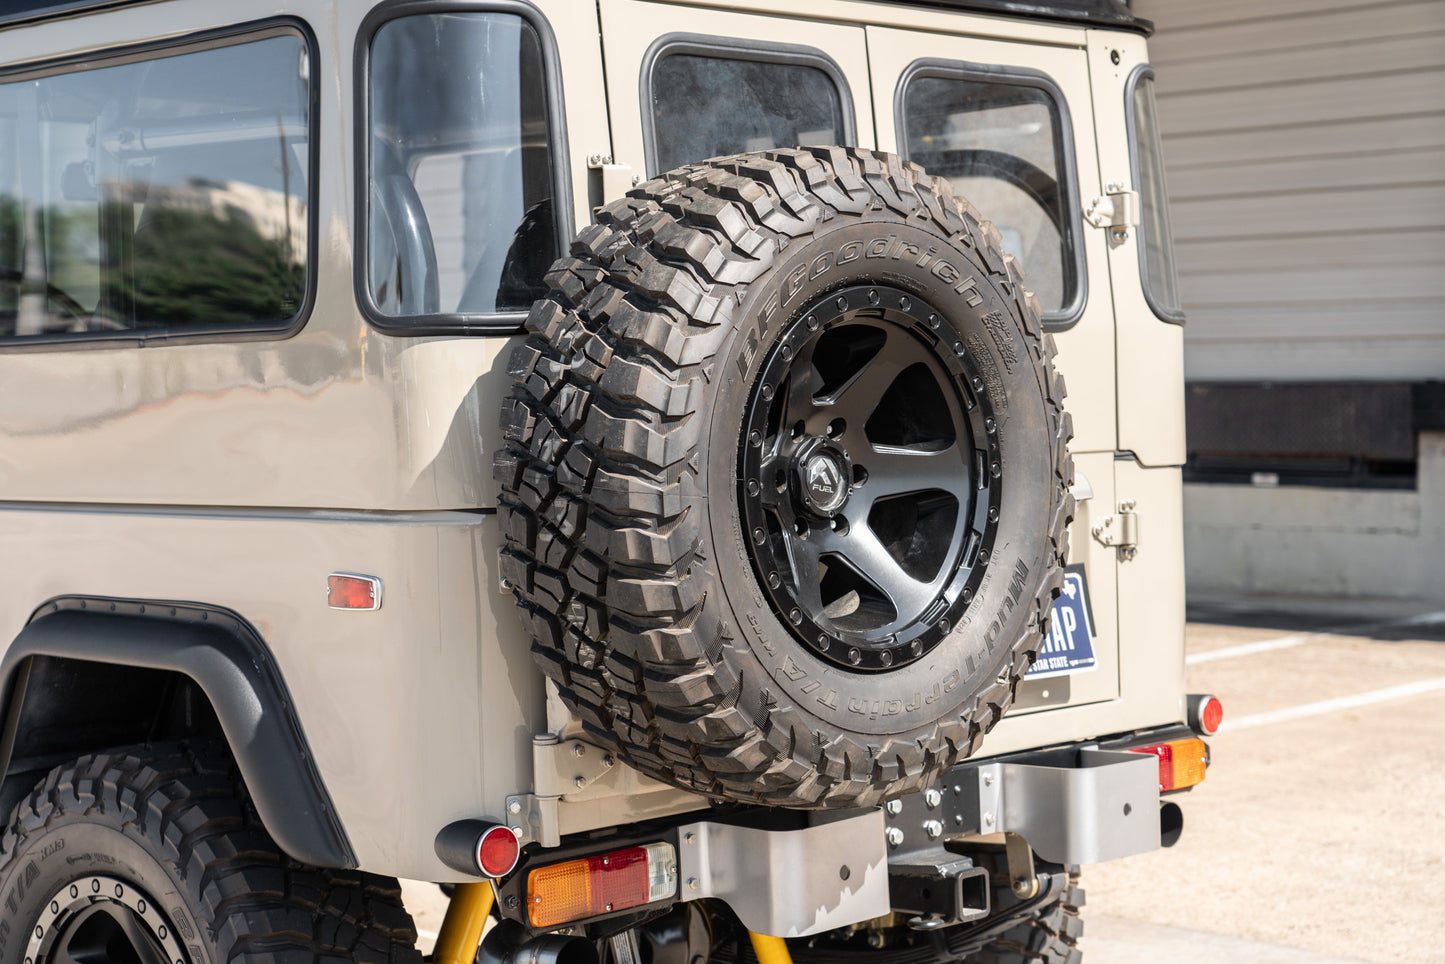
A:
(347, 590)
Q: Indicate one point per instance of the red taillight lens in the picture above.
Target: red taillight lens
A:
(1211, 715)
(497, 852)
(604, 884)
(1181, 762)
(1205, 713)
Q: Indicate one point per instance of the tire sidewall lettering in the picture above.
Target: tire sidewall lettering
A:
(70, 849)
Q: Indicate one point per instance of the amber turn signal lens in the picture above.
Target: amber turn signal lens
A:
(1181, 762)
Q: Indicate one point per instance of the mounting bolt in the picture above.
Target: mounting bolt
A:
(692, 883)
(514, 807)
(933, 828)
(893, 807)
(988, 820)
(689, 837)
(608, 761)
(988, 779)
(579, 782)
(932, 797)
(894, 836)
(578, 749)
(512, 902)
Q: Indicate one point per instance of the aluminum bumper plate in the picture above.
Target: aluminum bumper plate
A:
(1093, 806)
(790, 883)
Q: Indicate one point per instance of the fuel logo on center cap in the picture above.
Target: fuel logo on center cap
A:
(825, 482)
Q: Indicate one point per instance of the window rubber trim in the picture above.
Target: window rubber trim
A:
(452, 323)
(1068, 316)
(731, 48)
(231, 36)
(1173, 316)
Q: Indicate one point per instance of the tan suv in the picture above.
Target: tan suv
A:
(703, 648)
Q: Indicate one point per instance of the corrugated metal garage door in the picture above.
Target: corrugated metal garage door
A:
(1305, 145)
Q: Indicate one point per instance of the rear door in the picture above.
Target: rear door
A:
(1004, 110)
(688, 83)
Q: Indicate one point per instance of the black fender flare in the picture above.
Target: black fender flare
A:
(232, 665)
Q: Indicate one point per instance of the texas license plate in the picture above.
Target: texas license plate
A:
(1069, 646)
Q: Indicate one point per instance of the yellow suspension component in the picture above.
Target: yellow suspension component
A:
(770, 950)
(461, 932)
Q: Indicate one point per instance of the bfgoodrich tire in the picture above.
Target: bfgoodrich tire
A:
(157, 856)
(784, 484)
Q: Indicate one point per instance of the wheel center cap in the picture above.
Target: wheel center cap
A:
(821, 476)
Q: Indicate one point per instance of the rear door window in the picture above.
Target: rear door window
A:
(708, 97)
(999, 136)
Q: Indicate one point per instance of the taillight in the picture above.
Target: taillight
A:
(497, 851)
(1205, 714)
(604, 884)
(1181, 762)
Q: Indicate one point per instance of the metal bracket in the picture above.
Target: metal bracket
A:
(1103, 806)
(790, 883)
(1116, 209)
(535, 819)
(608, 181)
(1020, 858)
(1120, 531)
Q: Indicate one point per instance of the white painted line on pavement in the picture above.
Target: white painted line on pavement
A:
(1299, 639)
(1336, 705)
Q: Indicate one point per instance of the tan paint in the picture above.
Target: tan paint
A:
(240, 474)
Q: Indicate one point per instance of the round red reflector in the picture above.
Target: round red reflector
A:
(1211, 715)
(497, 852)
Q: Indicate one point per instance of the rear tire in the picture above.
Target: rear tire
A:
(1050, 936)
(157, 855)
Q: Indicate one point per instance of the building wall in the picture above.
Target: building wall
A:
(1305, 148)
(1305, 145)
(1319, 541)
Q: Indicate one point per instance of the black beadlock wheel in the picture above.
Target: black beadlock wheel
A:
(785, 479)
(155, 857)
(870, 478)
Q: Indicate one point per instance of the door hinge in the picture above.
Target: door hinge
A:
(1116, 209)
(607, 180)
(1121, 530)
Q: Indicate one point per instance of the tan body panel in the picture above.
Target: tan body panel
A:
(239, 474)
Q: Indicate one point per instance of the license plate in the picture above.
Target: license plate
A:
(1069, 647)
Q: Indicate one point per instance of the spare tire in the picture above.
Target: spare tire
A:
(785, 484)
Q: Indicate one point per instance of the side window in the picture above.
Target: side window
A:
(462, 205)
(162, 193)
(1156, 239)
(707, 97)
(1000, 137)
